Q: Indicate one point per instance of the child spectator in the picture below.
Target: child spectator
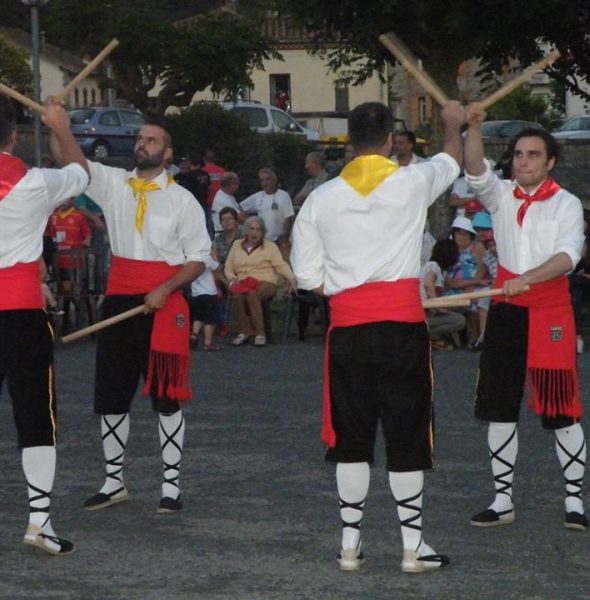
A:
(441, 322)
(203, 307)
(70, 230)
(467, 275)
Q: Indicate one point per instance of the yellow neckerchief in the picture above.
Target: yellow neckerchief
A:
(67, 212)
(366, 172)
(140, 187)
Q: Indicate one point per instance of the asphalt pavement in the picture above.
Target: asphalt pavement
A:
(261, 511)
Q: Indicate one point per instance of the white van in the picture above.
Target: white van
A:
(269, 119)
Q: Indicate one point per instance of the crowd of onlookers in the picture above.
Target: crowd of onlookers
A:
(251, 243)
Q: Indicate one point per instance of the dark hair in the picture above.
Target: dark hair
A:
(455, 229)
(445, 253)
(369, 124)
(210, 155)
(7, 120)
(551, 144)
(409, 134)
(228, 210)
(160, 122)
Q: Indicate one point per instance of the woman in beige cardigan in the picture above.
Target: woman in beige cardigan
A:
(252, 268)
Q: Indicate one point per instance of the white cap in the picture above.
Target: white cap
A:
(463, 223)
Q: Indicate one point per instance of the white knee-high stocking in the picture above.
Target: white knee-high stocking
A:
(115, 433)
(571, 452)
(39, 469)
(171, 430)
(503, 449)
(352, 480)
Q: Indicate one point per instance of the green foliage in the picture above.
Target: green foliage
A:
(520, 104)
(444, 34)
(239, 149)
(160, 64)
(14, 69)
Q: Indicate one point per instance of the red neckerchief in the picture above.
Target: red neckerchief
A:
(548, 188)
(245, 246)
(12, 170)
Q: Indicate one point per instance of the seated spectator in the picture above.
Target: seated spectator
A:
(315, 166)
(466, 275)
(441, 322)
(232, 231)
(203, 308)
(252, 269)
(230, 183)
(274, 206)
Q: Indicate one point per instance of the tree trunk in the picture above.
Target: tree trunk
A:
(440, 214)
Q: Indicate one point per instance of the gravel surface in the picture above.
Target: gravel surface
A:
(261, 514)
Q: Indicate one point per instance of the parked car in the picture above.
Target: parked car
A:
(506, 128)
(576, 128)
(269, 119)
(103, 132)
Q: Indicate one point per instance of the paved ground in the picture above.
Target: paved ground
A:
(260, 518)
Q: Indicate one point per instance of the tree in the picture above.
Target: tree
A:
(444, 34)
(521, 104)
(160, 64)
(14, 69)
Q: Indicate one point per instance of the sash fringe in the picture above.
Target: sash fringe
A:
(554, 392)
(171, 372)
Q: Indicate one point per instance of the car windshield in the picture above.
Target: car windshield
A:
(81, 116)
(491, 128)
(575, 124)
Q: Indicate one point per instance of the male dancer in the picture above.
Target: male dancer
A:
(357, 239)
(27, 197)
(159, 242)
(530, 337)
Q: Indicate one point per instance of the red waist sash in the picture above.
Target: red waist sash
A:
(552, 379)
(21, 286)
(368, 303)
(169, 344)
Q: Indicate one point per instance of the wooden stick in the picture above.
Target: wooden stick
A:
(22, 99)
(445, 302)
(103, 324)
(397, 48)
(520, 79)
(442, 301)
(88, 69)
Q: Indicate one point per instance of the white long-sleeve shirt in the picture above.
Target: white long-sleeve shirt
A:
(342, 239)
(174, 229)
(549, 227)
(25, 209)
